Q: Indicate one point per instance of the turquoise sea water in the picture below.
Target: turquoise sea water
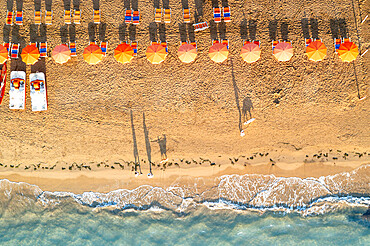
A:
(71, 226)
(237, 210)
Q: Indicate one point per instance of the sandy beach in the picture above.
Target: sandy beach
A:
(301, 108)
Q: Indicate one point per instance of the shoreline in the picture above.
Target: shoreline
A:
(104, 178)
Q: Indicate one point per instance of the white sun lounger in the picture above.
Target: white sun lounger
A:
(38, 93)
(17, 92)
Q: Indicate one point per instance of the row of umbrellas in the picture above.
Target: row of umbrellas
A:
(156, 53)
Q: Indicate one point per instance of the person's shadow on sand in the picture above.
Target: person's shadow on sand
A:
(246, 109)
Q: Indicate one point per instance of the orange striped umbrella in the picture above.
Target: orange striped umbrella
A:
(187, 53)
(61, 54)
(123, 53)
(316, 51)
(348, 51)
(30, 54)
(93, 54)
(250, 52)
(218, 52)
(283, 51)
(3, 54)
(156, 53)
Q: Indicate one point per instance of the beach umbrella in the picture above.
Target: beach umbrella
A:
(123, 53)
(93, 54)
(187, 53)
(348, 51)
(250, 52)
(316, 51)
(218, 52)
(156, 53)
(3, 54)
(61, 53)
(30, 54)
(283, 51)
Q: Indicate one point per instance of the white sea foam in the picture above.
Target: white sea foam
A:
(238, 192)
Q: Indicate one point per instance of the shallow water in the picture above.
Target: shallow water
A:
(236, 210)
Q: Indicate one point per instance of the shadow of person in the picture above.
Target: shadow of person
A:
(162, 142)
(246, 109)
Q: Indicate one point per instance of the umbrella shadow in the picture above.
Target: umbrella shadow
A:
(136, 152)
(76, 4)
(153, 36)
(48, 4)
(252, 28)
(185, 4)
(314, 28)
(213, 30)
(39, 66)
(166, 4)
(72, 33)
(102, 31)
(64, 34)
(18, 65)
(9, 5)
(122, 32)
(92, 31)
(147, 144)
(67, 4)
(236, 93)
(284, 29)
(162, 32)
(182, 31)
(273, 29)
(19, 5)
(37, 4)
(132, 32)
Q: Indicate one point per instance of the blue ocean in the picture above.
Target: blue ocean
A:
(238, 210)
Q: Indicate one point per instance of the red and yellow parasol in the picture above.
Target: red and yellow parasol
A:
(283, 51)
(4, 54)
(187, 53)
(348, 51)
(93, 54)
(61, 53)
(316, 51)
(30, 54)
(218, 52)
(156, 53)
(250, 52)
(123, 53)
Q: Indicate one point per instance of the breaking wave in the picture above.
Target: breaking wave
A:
(309, 196)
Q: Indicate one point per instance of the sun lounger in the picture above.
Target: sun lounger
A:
(200, 26)
(104, 47)
(186, 14)
(346, 40)
(38, 17)
(226, 13)
(97, 16)
(136, 17)
(337, 43)
(158, 15)
(7, 46)
(182, 43)
(128, 15)
(225, 42)
(17, 92)
(43, 49)
(164, 44)
(274, 43)
(134, 47)
(215, 41)
(93, 43)
(72, 47)
(77, 16)
(38, 92)
(194, 44)
(2, 82)
(167, 15)
(217, 14)
(48, 17)
(257, 42)
(67, 16)
(19, 18)
(33, 43)
(9, 18)
(14, 51)
(307, 41)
